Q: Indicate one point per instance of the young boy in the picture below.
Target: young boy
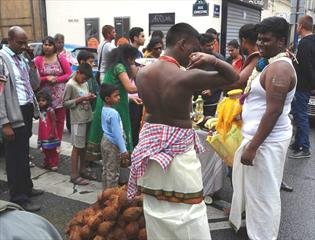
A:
(77, 97)
(88, 57)
(84, 57)
(113, 145)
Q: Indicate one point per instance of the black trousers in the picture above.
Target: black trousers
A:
(17, 160)
(135, 118)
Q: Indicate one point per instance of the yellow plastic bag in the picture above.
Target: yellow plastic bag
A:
(229, 111)
(227, 136)
(226, 147)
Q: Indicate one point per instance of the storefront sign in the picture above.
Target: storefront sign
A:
(216, 10)
(258, 3)
(162, 18)
(201, 8)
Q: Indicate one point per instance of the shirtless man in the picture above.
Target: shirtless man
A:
(173, 203)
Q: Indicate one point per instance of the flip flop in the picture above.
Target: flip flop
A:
(88, 174)
(79, 181)
(54, 168)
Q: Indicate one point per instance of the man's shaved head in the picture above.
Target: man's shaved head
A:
(17, 38)
(15, 30)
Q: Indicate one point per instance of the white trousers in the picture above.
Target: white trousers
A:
(257, 190)
(175, 221)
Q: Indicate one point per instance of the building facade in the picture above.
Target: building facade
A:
(29, 14)
(81, 20)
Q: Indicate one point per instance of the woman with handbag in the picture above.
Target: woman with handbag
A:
(54, 71)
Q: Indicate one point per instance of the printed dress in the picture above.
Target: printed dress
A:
(44, 129)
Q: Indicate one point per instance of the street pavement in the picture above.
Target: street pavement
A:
(63, 199)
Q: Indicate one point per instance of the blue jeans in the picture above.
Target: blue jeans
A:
(299, 111)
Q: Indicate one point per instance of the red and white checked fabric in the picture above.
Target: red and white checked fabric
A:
(160, 143)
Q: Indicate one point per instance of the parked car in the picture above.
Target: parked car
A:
(311, 106)
(38, 47)
(76, 51)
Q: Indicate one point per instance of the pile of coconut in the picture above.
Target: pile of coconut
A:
(111, 217)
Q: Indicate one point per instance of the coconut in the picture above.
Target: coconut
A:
(104, 227)
(132, 214)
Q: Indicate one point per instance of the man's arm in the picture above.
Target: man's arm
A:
(278, 81)
(7, 130)
(244, 75)
(197, 79)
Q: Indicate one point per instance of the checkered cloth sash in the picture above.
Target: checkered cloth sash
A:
(160, 143)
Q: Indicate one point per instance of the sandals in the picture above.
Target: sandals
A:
(79, 181)
(50, 168)
(88, 174)
(54, 168)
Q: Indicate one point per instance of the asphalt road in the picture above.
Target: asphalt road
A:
(298, 212)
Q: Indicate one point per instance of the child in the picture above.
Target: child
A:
(113, 145)
(77, 98)
(88, 57)
(85, 56)
(48, 139)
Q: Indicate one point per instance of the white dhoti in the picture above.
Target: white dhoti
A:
(257, 190)
(168, 220)
(175, 221)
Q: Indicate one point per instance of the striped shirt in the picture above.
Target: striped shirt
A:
(22, 79)
(160, 143)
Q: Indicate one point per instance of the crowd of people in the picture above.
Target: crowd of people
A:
(130, 111)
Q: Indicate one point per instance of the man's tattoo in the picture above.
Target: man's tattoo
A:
(278, 96)
(280, 84)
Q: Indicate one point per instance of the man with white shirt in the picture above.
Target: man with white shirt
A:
(267, 130)
(105, 47)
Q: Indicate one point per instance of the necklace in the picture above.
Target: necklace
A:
(169, 59)
(262, 63)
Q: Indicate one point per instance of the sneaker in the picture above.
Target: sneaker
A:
(30, 206)
(300, 154)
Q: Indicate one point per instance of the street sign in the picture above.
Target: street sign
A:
(216, 10)
(201, 8)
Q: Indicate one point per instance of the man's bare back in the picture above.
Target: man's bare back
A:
(166, 90)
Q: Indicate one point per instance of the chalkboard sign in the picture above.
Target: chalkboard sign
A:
(161, 18)
(201, 8)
